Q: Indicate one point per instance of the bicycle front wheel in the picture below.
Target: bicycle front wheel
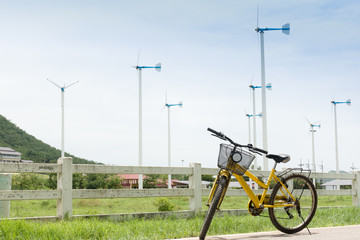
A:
(292, 219)
(212, 208)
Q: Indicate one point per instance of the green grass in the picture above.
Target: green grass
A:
(32, 208)
(161, 228)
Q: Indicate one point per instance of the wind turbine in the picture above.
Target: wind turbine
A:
(348, 102)
(286, 30)
(268, 87)
(249, 116)
(353, 167)
(180, 104)
(312, 126)
(62, 114)
(157, 67)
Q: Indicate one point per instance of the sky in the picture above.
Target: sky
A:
(210, 54)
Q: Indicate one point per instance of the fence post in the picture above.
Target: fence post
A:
(64, 185)
(356, 187)
(5, 184)
(195, 183)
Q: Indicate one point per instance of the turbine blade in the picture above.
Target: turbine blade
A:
(158, 67)
(269, 86)
(257, 16)
(53, 83)
(286, 28)
(71, 84)
(137, 63)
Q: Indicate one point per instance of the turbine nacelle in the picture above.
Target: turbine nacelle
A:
(268, 86)
(157, 67)
(285, 29)
(347, 102)
(180, 104)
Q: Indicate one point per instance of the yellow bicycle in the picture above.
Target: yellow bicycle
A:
(291, 203)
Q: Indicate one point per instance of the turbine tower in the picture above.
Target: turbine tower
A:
(312, 126)
(62, 115)
(180, 104)
(348, 102)
(268, 87)
(286, 30)
(157, 67)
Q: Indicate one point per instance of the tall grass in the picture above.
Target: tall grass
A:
(34, 208)
(160, 228)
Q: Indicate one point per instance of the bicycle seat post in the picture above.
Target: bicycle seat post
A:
(275, 164)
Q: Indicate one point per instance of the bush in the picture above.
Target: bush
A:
(164, 205)
(113, 182)
(28, 181)
(95, 181)
(90, 203)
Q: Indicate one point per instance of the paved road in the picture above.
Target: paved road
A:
(329, 233)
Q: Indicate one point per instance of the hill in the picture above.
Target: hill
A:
(30, 147)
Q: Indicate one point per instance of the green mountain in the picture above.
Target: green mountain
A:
(30, 147)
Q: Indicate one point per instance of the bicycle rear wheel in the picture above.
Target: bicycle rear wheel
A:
(295, 218)
(212, 208)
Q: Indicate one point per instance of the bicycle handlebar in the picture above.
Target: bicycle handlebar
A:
(260, 150)
(214, 132)
(224, 137)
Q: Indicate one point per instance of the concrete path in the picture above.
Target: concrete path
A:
(328, 233)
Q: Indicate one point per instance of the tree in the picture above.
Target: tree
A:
(95, 181)
(28, 181)
(150, 180)
(113, 182)
(52, 181)
(208, 178)
(78, 181)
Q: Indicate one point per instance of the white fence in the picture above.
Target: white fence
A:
(65, 170)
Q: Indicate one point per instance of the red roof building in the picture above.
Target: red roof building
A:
(130, 180)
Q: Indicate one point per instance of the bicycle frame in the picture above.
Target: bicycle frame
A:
(254, 198)
(282, 201)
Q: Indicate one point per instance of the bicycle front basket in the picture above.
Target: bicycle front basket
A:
(225, 157)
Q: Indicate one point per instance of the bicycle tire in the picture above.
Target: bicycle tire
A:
(294, 219)
(212, 208)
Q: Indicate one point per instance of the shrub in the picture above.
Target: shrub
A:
(95, 181)
(90, 203)
(164, 204)
(28, 181)
(113, 182)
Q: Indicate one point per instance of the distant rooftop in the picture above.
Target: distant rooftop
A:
(341, 182)
(8, 151)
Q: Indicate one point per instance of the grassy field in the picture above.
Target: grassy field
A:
(160, 228)
(132, 205)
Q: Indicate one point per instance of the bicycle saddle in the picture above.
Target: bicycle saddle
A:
(281, 158)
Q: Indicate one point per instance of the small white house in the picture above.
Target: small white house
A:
(332, 185)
